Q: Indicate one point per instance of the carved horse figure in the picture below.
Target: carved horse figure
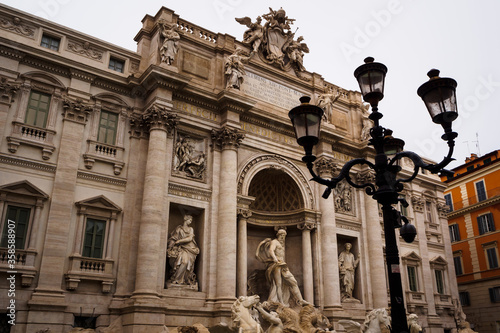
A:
(372, 322)
(244, 316)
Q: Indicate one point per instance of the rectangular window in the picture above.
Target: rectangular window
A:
(116, 65)
(481, 191)
(93, 243)
(457, 260)
(495, 294)
(403, 209)
(485, 223)
(38, 109)
(428, 211)
(449, 201)
(464, 298)
(16, 222)
(491, 255)
(439, 281)
(107, 127)
(454, 233)
(50, 42)
(412, 278)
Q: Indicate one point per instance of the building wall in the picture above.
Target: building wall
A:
(66, 176)
(478, 277)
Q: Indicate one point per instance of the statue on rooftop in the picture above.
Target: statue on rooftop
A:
(234, 69)
(254, 34)
(170, 44)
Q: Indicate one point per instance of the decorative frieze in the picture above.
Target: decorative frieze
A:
(84, 49)
(189, 192)
(17, 26)
(366, 176)
(227, 138)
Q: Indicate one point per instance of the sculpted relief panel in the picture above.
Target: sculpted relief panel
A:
(190, 159)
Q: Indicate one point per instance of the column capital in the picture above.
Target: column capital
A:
(366, 176)
(8, 90)
(157, 117)
(325, 167)
(76, 110)
(306, 226)
(244, 213)
(227, 138)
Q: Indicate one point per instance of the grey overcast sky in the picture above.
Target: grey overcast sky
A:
(410, 37)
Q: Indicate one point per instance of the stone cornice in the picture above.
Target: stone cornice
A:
(274, 126)
(227, 138)
(11, 53)
(232, 101)
(189, 191)
(476, 206)
(156, 76)
(25, 163)
(101, 178)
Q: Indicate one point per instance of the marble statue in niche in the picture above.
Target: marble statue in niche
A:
(170, 44)
(283, 284)
(182, 251)
(347, 268)
(189, 157)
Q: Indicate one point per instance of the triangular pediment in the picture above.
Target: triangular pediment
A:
(439, 261)
(24, 188)
(100, 202)
(412, 256)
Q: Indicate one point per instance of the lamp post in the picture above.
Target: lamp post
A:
(439, 97)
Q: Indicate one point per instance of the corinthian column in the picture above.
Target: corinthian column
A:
(242, 277)
(329, 258)
(307, 265)
(228, 140)
(374, 244)
(160, 123)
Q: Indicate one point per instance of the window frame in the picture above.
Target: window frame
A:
(106, 127)
(494, 294)
(449, 201)
(4, 226)
(51, 38)
(116, 60)
(480, 193)
(412, 280)
(37, 110)
(485, 223)
(440, 281)
(457, 259)
(103, 242)
(464, 298)
(491, 248)
(454, 230)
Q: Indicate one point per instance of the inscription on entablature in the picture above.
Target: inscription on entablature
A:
(341, 157)
(267, 133)
(194, 110)
(269, 91)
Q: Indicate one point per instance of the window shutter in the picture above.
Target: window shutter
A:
(480, 224)
(491, 223)
(492, 295)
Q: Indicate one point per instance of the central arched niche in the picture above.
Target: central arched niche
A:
(274, 191)
(278, 203)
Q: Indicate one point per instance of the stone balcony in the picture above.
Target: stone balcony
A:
(97, 151)
(23, 265)
(82, 268)
(32, 136)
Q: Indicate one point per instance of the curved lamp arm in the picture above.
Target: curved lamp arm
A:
(344, 174)
(419, 163)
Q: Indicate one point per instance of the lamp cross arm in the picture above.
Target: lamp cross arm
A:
(344, 174)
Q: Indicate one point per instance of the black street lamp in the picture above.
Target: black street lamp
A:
(439, 97)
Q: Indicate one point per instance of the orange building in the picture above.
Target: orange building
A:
(473, 194)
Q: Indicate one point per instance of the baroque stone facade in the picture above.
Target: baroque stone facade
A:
(103, 151)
